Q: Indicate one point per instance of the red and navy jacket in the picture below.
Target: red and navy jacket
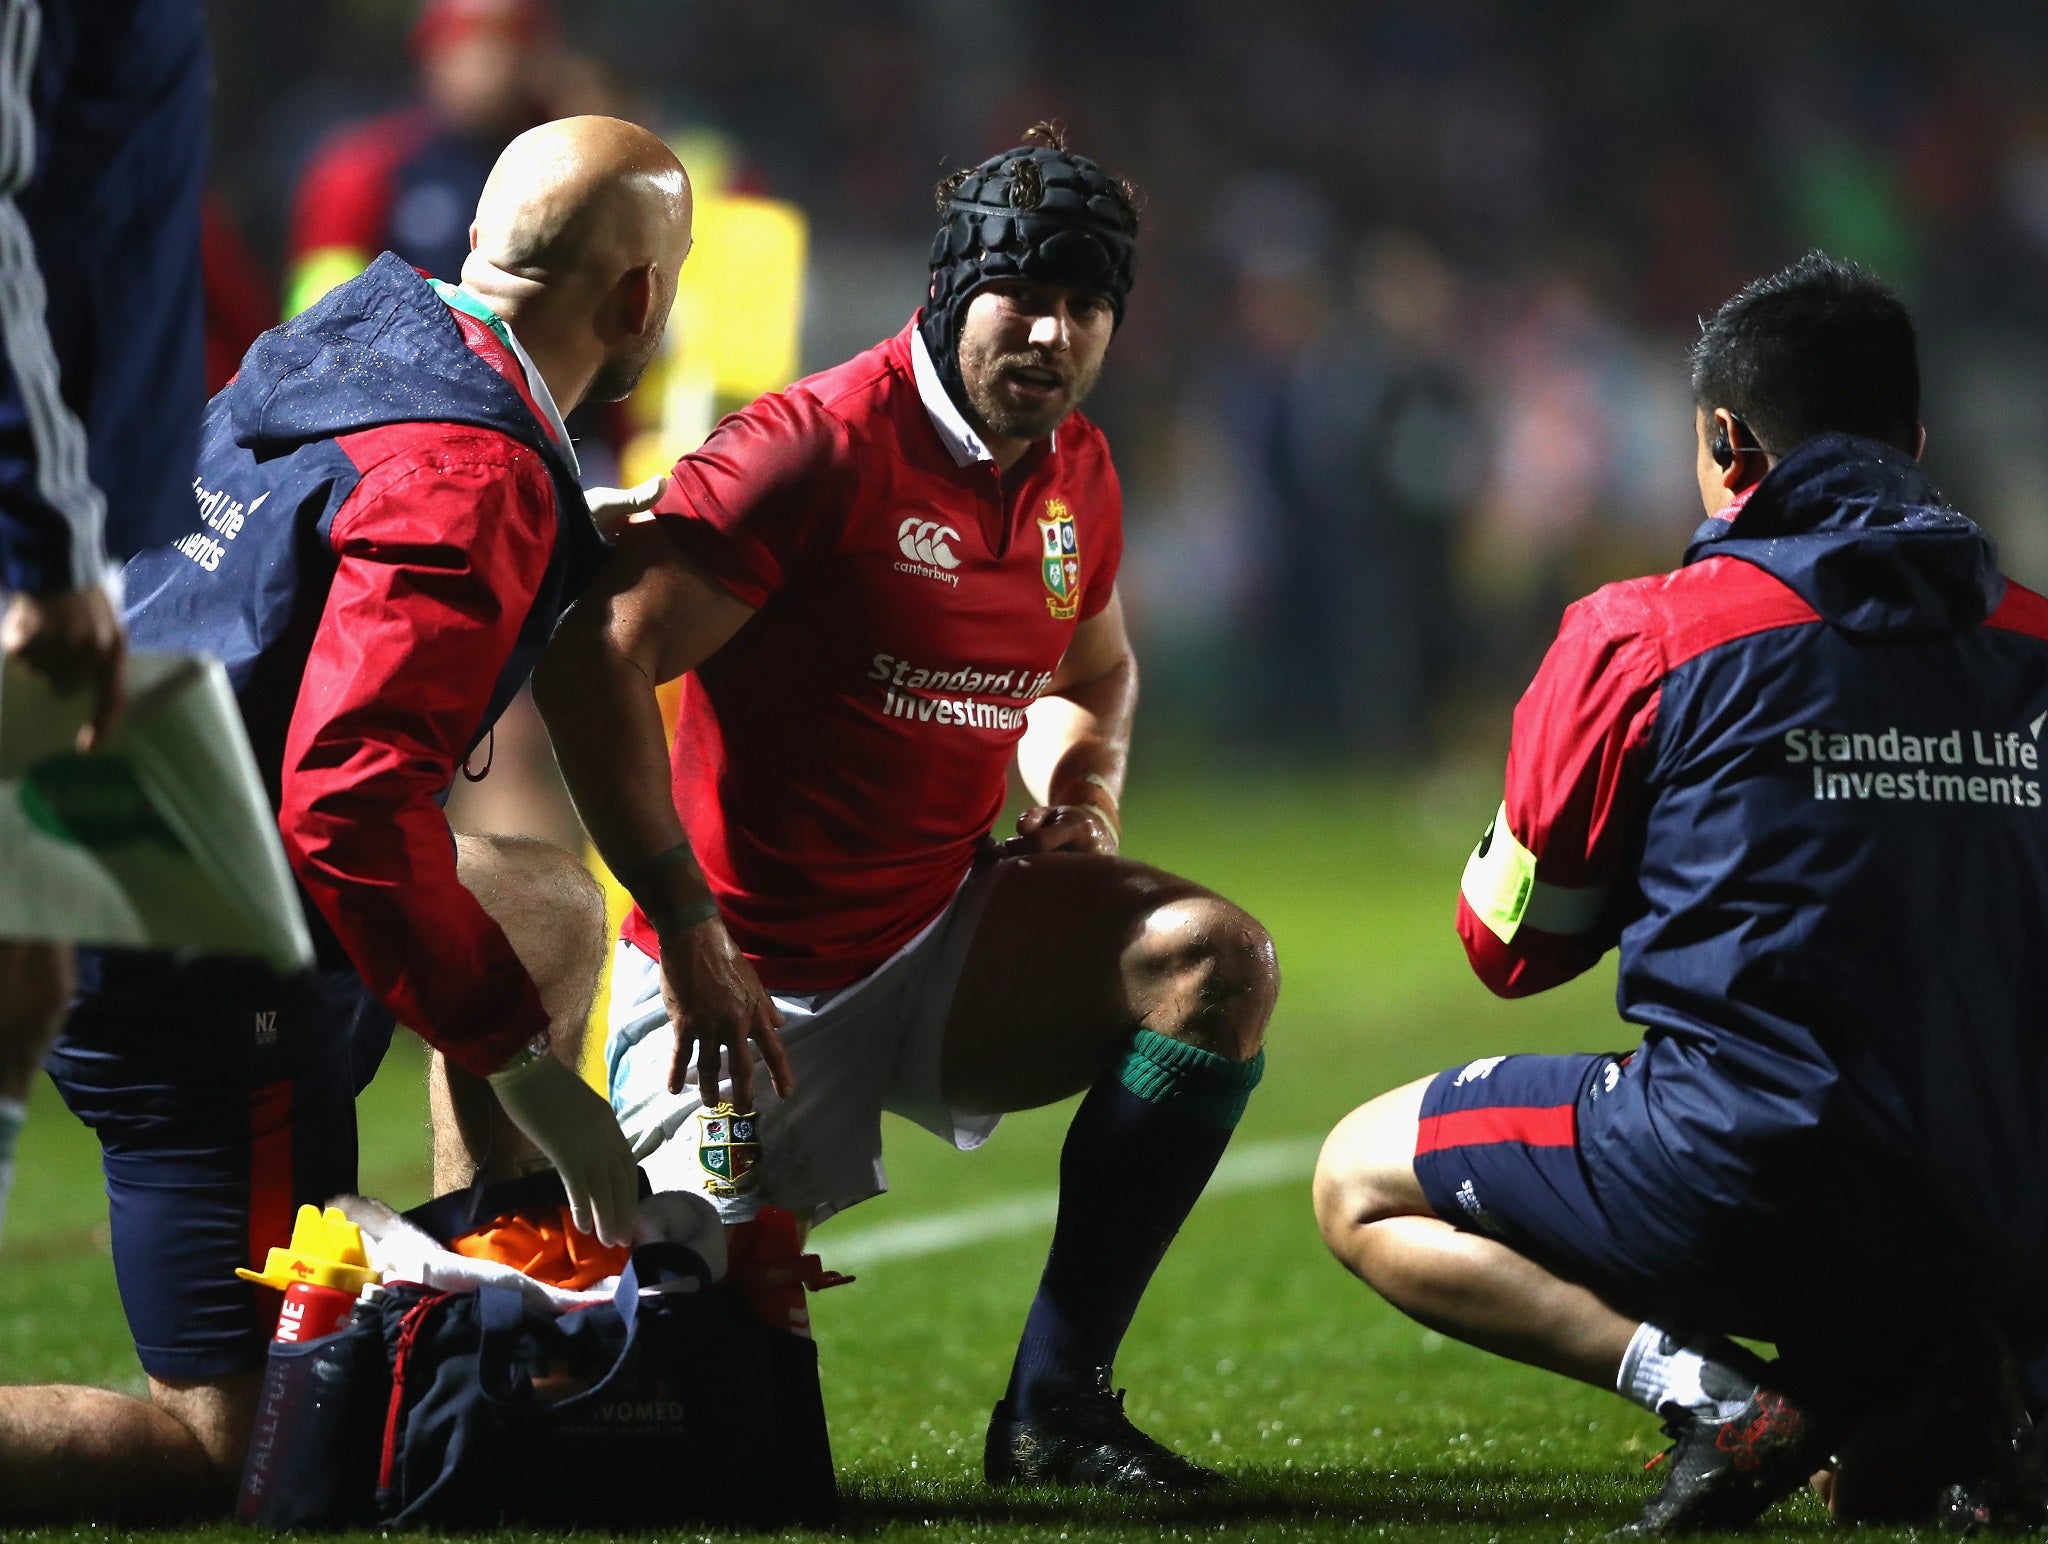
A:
(1799, 783)
(386, 535)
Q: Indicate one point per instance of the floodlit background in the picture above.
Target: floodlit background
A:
(1404, 368)
(1404, 372)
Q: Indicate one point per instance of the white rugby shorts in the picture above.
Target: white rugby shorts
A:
(853, 1053)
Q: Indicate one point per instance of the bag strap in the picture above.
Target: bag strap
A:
(501, 1313)
(410, 1324)
(672, 1266)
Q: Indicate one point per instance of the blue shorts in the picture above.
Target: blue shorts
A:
(208, 1157)
(1496, 1151)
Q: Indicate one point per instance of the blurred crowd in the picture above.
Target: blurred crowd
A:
(1406, 363)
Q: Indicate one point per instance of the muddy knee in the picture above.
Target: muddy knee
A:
(1205, 972)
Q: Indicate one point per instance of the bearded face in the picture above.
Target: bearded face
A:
(1030, 353)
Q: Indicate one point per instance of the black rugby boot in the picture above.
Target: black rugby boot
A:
(1086, 1439)
(1959, 1449)
(1998, 1481)
(1723, 1475)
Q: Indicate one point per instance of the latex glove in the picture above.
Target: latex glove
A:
(570, 1122)
(611, 508)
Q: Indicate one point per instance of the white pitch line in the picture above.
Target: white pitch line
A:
(1260, 1166)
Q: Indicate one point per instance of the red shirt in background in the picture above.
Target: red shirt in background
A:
(241, 301)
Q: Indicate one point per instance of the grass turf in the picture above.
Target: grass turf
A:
(1253, 1352)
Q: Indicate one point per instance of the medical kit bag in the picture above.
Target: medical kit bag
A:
(671, 1402)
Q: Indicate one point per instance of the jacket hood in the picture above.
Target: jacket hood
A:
(1854, 527)
(380, 349)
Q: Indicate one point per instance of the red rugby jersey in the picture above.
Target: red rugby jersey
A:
(837, 762)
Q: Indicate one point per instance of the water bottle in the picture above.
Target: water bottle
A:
(312, 1380)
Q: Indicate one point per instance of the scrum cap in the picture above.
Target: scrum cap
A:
(1035, 212)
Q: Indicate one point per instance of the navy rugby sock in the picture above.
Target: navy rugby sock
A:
(1142, 1145)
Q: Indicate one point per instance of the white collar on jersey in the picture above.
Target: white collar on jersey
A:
(961, 440)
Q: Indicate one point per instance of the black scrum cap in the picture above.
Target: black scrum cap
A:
(1035, 212)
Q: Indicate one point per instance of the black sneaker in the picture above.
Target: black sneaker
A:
(1086, 1439)
(1721, 1475)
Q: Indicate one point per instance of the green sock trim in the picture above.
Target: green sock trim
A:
(1199, 1084)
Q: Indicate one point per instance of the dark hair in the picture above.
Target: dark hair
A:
(1822, 345)
(1027, 187)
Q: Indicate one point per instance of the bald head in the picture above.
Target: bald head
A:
(581, 196)
(577, 241)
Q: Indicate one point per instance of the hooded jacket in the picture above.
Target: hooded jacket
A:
(1799, 783)
(386, 535)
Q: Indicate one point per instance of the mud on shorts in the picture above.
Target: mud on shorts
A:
(873, 1046)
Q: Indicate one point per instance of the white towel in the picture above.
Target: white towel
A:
(401, 1252)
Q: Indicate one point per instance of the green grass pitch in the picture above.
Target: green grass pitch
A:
(1254, 1352)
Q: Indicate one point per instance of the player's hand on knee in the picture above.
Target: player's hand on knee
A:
(573, 1126)
(1061, 828)
(720, 1011)
(74, 640)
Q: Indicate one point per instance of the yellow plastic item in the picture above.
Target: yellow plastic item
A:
(320, 271)
(736, 328)
(739, 301)
(326, 1251)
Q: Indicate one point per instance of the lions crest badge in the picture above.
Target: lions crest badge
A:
(1061, 560)
(728, 1148)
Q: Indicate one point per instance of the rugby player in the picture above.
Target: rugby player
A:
(388, 525)
(880, 586)
(1798, 783)
(102, 161)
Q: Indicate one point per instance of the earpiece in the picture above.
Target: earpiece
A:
(1723, 450)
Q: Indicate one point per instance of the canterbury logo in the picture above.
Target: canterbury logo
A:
(924, 541)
